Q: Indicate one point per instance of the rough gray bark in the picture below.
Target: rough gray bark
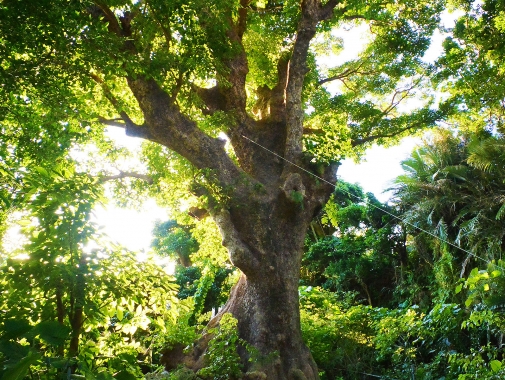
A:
(264, 233)
(265, 300)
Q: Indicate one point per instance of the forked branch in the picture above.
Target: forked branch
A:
(123, 175)
(171, 128)
(111, 18)
(131, 129)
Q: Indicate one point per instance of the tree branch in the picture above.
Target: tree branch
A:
(404, 93)
(114, 26)
(211, 97)
(169, 127)
(123, 175)
(312, 131)
(364, 140)
(312, 14)
(106, 91)
(277, 98)
(167, 34)
(296, 73)
(240, 255)
(131, 129)
(178, 86)
(326, 11)
(344, 74)
(234, 91)
(356, 17)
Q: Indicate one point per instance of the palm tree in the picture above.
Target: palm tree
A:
(453, 189)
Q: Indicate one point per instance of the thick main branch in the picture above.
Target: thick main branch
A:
(312, 14)
(169, 127)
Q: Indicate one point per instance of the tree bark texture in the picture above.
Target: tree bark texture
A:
(264, 234)
(265, 301)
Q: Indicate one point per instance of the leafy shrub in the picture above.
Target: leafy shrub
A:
(340, 339)
(448, 341)
(222, 356)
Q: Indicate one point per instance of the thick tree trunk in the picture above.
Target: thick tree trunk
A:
(265, 240)
(268, 315)
(269, 319)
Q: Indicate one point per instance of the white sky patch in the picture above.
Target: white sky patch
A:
(130, 228)
(120, 138)
(13, 239)
(356, 38)
(379, 167)
(448, 21)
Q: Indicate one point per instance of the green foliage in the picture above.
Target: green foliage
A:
(175, 241)
(339, 338)
(446, 342)
(223, 361)
(97, 312)
(208, 280)
(71, 308)
(485, 287)
(297, 197)
(474, 54)
(362, 250)
(449, 189)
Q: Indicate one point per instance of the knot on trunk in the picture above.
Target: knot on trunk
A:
(293, 188)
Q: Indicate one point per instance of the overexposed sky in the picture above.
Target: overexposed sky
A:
(128, 227)
(379, 167)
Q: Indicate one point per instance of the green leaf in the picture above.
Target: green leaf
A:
(52, 332)
(20, 370)
(495, 365)
(15, 328)
(501, 212)
(61, 363)
(468, 302)
(102, 376)
(13, 350)
(124, 375)
(495, 273)
(458, 288)
(42, 171)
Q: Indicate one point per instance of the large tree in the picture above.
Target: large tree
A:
(177, 73)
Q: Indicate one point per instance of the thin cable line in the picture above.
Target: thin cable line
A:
(377, 207)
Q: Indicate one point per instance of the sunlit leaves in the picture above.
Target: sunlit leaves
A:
(66, 290)
(472, 65)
